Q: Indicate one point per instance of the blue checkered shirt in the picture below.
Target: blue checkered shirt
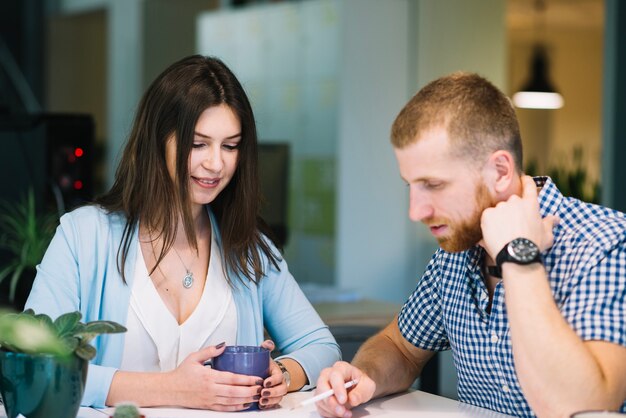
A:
(586, 268)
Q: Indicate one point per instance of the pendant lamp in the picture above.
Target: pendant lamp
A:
(538, 92)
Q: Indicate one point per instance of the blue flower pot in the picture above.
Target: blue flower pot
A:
(41, 386)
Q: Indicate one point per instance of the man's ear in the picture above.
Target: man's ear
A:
(500, 172)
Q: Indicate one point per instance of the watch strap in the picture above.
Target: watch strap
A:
(286, 374)
(502, 256)
(495, 271)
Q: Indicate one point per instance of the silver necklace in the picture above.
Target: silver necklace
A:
(188, 279)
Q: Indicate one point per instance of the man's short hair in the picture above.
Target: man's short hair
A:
(478, 118)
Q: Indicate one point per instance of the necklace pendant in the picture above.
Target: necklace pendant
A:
(188, 280)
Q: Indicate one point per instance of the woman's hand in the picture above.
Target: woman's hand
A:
(198, 386)
(274, 387)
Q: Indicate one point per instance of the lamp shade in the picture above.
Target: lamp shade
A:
(538, 92)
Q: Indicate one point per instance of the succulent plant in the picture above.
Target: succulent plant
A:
(31, 333)
(126, 410)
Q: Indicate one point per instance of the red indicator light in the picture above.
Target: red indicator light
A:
(78, 185)
(78, 152)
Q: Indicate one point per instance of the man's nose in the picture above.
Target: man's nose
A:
(419, 208)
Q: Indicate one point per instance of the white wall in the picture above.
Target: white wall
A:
(468, 35)
(169, 33)
(125, 40)
(373, 247)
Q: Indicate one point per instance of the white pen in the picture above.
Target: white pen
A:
(324, 395)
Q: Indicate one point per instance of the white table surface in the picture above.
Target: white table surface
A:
(414, 404)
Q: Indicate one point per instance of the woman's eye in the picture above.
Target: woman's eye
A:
(231, 147)
(198, 144)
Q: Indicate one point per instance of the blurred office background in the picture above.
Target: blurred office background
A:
(326, 79)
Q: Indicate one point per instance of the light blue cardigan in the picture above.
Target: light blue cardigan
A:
(79, 272)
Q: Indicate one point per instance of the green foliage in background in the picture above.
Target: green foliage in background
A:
(25, 234)
(572, 178)
(31, 333)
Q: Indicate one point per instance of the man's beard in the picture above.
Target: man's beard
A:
(467, 233)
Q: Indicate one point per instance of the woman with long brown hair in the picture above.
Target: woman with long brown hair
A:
(176, 251)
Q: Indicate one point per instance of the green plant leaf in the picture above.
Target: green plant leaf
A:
(25, 234)
(103, 327)
(571, 176)
(95, 328)
(44, 319)
(71, 342)
(85, 351)
(7, 270)
(66, 323)
(27, 332)
(78, 329)
(14, 280)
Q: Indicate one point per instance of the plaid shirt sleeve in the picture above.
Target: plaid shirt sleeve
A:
(596, 307)
(421, 320)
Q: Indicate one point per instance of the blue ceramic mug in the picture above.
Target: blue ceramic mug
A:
(244, 359)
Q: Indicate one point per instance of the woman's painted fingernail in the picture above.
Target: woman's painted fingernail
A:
(256, 397)
(246, 405)
(263, 401)
(267, 384)
(265, 393)
(259, 382)
(258, 391)
(220, 345)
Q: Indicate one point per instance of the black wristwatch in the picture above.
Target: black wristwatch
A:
(519, 251)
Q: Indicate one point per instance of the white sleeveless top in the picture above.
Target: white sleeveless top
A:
(155, 342)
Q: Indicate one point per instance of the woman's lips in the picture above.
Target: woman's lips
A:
(206, 183)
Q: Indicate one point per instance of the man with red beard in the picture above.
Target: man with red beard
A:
(528, 286)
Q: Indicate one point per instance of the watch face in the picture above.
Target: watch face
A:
(523, 250)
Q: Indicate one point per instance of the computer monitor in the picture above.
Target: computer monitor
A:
(274, 179)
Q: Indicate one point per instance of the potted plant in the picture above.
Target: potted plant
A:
(43, 363)
(24, 235)
(127, 410)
